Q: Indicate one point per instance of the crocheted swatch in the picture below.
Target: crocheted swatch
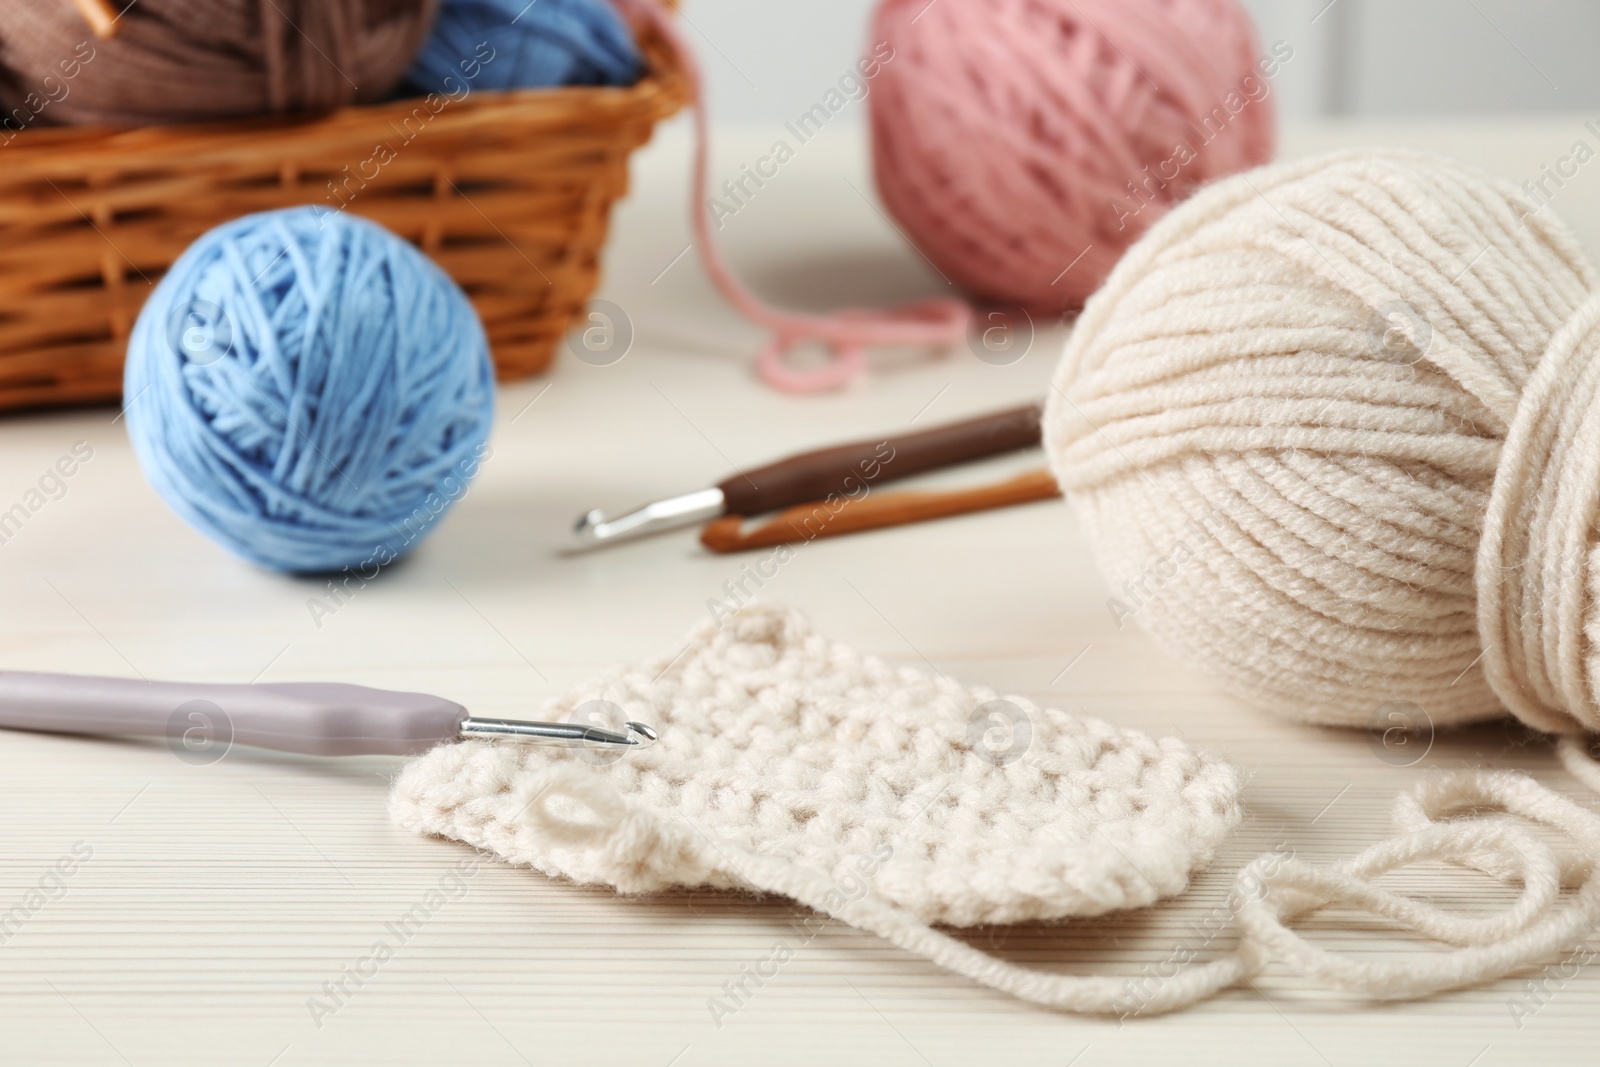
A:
(789, 763)
(893, 801)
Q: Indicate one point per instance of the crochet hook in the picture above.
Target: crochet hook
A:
(808, 522)
(310, 718)
(847, 470)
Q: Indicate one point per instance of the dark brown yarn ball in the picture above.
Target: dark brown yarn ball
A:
(192, 60)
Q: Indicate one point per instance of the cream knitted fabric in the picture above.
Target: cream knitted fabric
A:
(790, 764)
(776, 742)
(1333, 430)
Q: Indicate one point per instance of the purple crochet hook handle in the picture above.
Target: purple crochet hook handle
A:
(311, 718)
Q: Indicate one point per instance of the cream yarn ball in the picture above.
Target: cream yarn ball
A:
(1333, 430)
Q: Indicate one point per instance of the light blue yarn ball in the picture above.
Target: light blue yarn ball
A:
(514, 44)
(309, 390)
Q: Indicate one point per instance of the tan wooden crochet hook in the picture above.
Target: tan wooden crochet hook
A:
(807, 522)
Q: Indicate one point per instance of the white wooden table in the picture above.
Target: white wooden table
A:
(219, 898)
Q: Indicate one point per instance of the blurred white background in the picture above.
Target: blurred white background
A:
(767, 62)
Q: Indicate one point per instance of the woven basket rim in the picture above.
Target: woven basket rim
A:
(87, 213)
(56, 150)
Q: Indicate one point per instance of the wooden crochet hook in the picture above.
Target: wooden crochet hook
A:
(101, 16)
(839, 471)
(874, 512)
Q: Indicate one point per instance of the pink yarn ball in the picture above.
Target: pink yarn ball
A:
(1024, 144)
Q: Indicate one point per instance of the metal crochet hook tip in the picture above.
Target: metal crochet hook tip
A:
(702, 505)
(638, 735)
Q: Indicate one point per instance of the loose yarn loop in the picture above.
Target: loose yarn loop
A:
(1271, 892)
(309, 390)
(793, 766)
(846, 334)
(191, 60)
(1331, 428)
(1014, 140)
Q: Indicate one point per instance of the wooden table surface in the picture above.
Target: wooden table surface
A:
(216, 900)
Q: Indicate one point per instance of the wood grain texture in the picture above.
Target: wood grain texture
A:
(220, 898)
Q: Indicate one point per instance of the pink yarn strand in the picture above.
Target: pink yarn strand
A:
(845, 333)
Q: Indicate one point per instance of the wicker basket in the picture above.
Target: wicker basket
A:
(510, 192)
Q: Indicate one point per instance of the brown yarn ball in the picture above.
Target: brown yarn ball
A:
(193, 60)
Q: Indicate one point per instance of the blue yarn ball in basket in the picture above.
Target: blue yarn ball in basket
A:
(309, 390)
(514, 44)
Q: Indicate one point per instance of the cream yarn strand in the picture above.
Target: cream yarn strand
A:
(1268, 894)
(1333, 430)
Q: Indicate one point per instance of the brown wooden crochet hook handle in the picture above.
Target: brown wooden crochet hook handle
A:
(845, 469)
(811, 521)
